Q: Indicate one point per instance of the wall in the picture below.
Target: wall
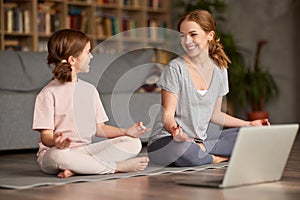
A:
(278, 22)
(273, 20)
(296, 57)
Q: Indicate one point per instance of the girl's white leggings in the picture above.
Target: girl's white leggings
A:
(96, 158)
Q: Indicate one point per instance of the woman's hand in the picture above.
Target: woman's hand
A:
(61, 142)
(260, 122)
(137, 130)
(179, 135)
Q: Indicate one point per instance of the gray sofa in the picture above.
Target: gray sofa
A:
(117, 77)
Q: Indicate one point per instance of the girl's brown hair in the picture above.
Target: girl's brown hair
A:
(61, 45)
(207, 22)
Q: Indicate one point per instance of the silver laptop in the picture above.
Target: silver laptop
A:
(259, 155)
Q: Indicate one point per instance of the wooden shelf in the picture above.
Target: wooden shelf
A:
(100, 19)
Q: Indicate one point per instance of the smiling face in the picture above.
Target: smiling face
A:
(194, 39)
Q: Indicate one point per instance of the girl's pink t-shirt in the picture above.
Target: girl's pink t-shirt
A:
(72, 108)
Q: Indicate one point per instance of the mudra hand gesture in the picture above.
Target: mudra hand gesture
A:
(137, 130)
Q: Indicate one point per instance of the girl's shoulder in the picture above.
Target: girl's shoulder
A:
(50, 86)
(86, 85)
(48, 89)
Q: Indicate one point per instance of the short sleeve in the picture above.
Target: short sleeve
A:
(224, 87)
(101, 115)
(169, 79)
(43, 116)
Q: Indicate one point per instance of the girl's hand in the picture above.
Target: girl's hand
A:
(260, 122)
(179, 135)
(137, 130)
(61, 142)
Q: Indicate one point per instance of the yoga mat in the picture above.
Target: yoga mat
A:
(25, 173)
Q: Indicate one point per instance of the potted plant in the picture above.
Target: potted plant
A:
(259, 87)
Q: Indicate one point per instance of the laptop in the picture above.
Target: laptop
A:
(259, 155)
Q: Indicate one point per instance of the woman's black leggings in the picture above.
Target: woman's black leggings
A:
(167, 152)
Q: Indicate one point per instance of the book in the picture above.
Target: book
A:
(26, 19)
(9, 21)
(45, 14)
(99, 27)
(107, 26)
(152, 24)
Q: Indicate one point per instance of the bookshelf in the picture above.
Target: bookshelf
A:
(17, 25)
(26, 25)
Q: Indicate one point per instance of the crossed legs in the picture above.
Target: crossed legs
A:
(109, 156)
(168, 152)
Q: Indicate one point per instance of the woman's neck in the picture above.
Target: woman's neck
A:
(203, 61)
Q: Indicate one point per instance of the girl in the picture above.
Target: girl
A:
(68, 112)
(193, 86)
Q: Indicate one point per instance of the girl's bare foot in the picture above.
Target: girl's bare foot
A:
(65, 174)
(132, 165)
(219, 159)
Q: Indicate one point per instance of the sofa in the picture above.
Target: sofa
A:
(118, 79)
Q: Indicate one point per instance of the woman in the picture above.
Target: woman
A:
(193, 86)
(68, 112)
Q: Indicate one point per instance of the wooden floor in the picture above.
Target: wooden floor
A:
(164, 187)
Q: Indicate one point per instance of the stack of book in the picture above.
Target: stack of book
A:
(129, 24)
(154, 4)
(107, 25)
(16, 19)
(47, 19)
(78, 19)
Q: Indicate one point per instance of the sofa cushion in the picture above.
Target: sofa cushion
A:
(28, 71)
(121, 73)
(23, 71)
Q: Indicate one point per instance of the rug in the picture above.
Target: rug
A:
(21, 173)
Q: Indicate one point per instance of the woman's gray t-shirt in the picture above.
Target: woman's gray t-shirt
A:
(193, 110)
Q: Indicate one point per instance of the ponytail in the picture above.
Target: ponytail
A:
(217, 53)
(63, 72)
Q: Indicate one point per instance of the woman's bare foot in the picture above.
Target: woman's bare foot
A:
(219, 159)
(132, 165)
(65, 174)
(201, 145)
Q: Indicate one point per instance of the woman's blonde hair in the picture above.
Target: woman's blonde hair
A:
(207, 22)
